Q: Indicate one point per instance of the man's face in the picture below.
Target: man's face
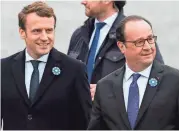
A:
(39, 35)
(93, 8)
(144, 55)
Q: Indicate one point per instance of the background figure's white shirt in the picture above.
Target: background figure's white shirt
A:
(29, 68)
(142, 83)
(104, 31)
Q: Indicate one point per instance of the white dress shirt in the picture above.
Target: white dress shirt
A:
(29, 68)
(104, 31)
(142, 83)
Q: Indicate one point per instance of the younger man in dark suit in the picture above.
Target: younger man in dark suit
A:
(143, 94)
(42, 88)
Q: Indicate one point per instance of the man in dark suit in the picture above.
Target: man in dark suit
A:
(98, 48)
(141, 95)
(42, 88)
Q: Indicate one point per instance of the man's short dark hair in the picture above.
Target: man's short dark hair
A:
(120, 35)
(120, 4)
(40, 8)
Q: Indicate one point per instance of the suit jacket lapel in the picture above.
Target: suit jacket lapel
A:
(118, 91)
(18, 71)
(87, 30)
(54, 60)
(156, 72)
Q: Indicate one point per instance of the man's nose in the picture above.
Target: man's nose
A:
(44, 36)
(147, 45)
(83, 2)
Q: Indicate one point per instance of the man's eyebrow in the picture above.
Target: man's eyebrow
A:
(140, 38)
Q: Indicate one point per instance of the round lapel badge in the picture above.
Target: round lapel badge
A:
(153, 82)
(56, 71)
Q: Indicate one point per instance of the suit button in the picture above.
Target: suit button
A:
(29, 117)
(99, 58)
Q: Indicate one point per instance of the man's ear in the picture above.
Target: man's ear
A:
(22, 33)
(121, 46)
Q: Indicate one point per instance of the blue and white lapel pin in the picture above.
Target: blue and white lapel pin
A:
(153, 82)
(56, 71)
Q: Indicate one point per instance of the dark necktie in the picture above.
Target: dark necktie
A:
(34, 83)
(133, 101)
(92, 52)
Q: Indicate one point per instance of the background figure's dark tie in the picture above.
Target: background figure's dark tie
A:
(133, 101)
(34, 83)
(92, 52)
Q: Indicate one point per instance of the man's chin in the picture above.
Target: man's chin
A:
(147, 62)
(87, 14)
(44, 51)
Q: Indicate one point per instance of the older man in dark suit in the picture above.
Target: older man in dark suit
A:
(42, 88)
(143, 94)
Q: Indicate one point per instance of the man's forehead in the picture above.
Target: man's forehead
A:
(137, 24)
(138, 29)
(33, 19)
(35, 16)
(95, 0)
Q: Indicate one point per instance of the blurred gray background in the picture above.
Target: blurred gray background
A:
(70, 15)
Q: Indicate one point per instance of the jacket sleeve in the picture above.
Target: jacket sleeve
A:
(158, 55)
(177, 121)
(96, 121)
(73, 41)
(84, 97)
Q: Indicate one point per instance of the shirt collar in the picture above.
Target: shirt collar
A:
(43, 58)
(109, 21)
(129, 72)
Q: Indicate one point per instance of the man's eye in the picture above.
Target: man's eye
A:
(140, 41)
(49, 30)
(150, 38)
(36, 30)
